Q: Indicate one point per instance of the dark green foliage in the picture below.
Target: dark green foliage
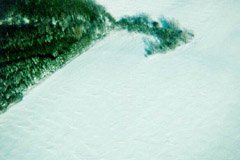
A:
(16, 77)
(43, 27)
(37, 37)
(140, 23)
(166, 34)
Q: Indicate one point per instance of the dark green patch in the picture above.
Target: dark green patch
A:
(37, 37)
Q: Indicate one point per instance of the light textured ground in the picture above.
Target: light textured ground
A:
(112, 103)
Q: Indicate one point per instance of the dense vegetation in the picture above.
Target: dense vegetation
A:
(37, 37)
(46, 27)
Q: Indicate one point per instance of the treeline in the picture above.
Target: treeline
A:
(17, 77)
(37, 37)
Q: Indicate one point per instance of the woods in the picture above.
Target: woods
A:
(37, 37)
